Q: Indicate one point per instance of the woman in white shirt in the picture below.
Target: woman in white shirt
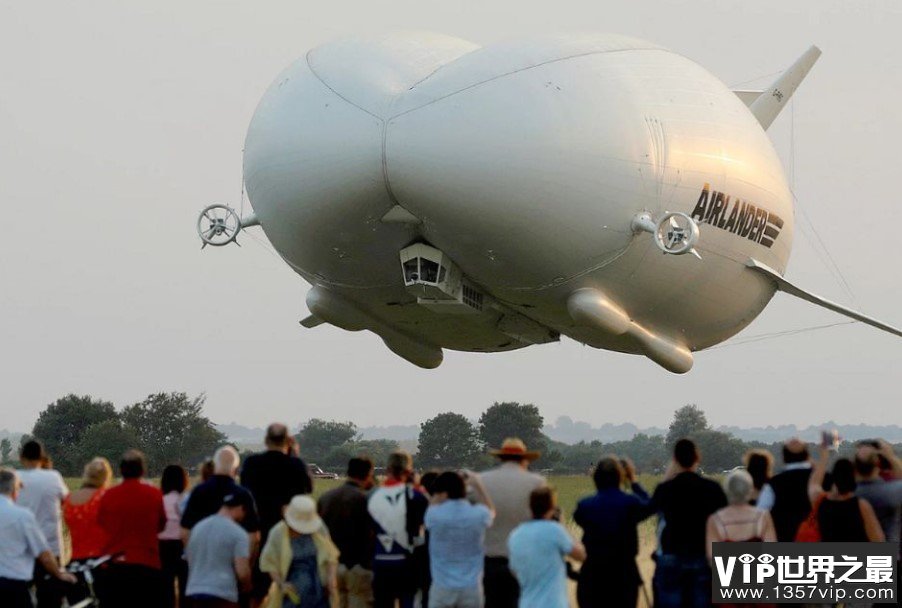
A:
(173, 484)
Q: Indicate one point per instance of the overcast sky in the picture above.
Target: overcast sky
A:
(118, 124)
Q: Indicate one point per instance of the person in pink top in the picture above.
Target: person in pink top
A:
(173, 484)
(81, 507)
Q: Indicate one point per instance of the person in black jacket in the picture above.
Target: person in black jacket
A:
(273, 478)
(344, 511)
(684, 501)
(609, 519)
(786, 494)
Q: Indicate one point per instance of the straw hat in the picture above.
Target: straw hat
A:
(301, 516)
(515, 448)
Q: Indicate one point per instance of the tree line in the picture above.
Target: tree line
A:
(171, 428)
(167, 427)
(451, 440)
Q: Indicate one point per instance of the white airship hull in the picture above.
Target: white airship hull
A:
(524, 164)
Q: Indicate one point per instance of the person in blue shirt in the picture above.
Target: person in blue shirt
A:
(457, 541)
(609, 519)
(537, 551)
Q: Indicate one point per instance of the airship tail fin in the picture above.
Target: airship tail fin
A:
(767, 105)
(787, 287)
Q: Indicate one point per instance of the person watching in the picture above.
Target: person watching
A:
(684, 500)
(206, 499)
(132, 516)
(786, 494)
(81, 509)
(537, 549)
(457, 540)
(739, 521)
(884, 496)
(397, 510)
(43, 492)
(609, 520)
(509, 486)
(218, 555)
(344, 511)
(760, 465)
(273, 477)
(173, 484)
(842, 516)
(21, 544)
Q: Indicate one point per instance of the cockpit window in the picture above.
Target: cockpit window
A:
(428, 270)
(411, 273)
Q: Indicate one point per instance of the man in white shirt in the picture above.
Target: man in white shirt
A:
(21, 544)
(43, 491)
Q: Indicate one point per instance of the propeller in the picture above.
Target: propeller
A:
(218, 225)
(675, 232)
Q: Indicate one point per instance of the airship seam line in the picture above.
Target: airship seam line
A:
(517, 71)
(326, 84)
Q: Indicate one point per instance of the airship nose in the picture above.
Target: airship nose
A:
(314, 175)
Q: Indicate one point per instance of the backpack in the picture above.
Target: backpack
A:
(810, 529)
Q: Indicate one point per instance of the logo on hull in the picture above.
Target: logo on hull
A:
(737, 216)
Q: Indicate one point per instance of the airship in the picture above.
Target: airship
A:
(447, 195)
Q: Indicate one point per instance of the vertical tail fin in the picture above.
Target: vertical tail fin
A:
(768, 105)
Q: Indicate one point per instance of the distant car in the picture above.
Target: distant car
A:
(317, 473)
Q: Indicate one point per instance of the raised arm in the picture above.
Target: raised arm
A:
(481, 494)
(578, 552)
(816, 481)
(895, 463)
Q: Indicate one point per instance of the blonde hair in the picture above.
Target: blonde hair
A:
(97, 474)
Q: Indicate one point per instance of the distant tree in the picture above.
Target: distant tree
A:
(109, 439)
(449, 441)
(510, 419)
(646, 451)
(687, 422)
(317, 437)
(61, 425)
(6, 449)
(377, 450)
(171, 428)
(720, 451)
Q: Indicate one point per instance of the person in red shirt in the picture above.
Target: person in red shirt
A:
(81, 507)
(132, 515)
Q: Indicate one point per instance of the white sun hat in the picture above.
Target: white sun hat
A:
(301, 516)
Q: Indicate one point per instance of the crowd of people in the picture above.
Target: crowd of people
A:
(254, 536)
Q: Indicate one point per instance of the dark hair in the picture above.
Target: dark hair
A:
(359, 468)
(32, 450)
(427, 481)
(844, 476)
(608, 473)
(450, 483)
(685, 453)
(541, 501)
(132, 465)
(792, 456)
(206, 470)
(174, 479)
(276, 435)
(758, 464)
